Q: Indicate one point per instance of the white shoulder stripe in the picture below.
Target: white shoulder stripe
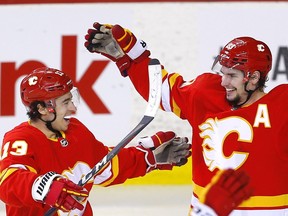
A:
(18, 166)
(166, 96)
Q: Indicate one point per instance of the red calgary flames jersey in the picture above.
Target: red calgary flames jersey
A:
(252, 138)
(27, 153)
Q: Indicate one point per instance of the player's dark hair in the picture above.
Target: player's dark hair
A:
(261, 83)
(33, 113)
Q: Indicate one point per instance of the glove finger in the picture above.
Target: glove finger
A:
(179, 155)
(223, 176)
(102, 27)
(96, 36)
(238, 186)
(61, 202)
(71, 203)
(91, 34)
(241, 185)
(90, 47)
(242, 194)
(65, 202)
(73, 189)
(235, 181)
(240, 190)
(87, 37)
(77, 192)
(105, 28)
(179, 140)
(88, 43)
(182, 162)
(180, 147)
(81, 193)
(97, 25)
(183, 154)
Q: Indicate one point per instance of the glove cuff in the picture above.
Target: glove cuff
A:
(137, 54)
(42, 184)
(56, 187)
(124, 62)
(148, 142)
(139, 51)
(149, 158)
(123, 65)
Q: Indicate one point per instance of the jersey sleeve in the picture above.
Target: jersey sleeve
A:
(129, 163)
(18, 171)
(173, 92)
(180, 96)
(17, 194)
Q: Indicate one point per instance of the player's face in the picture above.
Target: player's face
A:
(64, 110)
(234, 82)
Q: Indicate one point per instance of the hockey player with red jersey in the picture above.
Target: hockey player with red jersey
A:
(42, 160)
(235, 123)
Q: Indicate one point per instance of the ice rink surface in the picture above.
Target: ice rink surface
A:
(138, 200)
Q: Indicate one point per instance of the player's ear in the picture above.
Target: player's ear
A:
(255, 75)
(254, 78)
(42, 110)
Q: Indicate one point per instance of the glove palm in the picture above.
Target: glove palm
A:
(167, 150)
(116, 43)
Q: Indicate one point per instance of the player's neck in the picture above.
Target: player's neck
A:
(254, 97)
(40, 125)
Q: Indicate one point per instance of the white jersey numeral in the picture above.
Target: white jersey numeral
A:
(17, 148)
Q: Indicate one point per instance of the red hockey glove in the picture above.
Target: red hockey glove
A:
(116, 43)
(58, 192)
(164, 150)
(226, 191)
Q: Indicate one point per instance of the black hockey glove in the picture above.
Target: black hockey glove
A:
(116, 43)
(167, 150)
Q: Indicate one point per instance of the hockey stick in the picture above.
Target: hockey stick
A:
(155, 82)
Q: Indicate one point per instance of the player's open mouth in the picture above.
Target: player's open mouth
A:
(230, 90)
(67, 118)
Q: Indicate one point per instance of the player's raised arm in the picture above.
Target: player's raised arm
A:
(131, 56)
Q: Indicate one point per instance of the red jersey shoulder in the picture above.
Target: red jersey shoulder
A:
(77, 128)
(279, 93)
(23, 131)
(209, 80)
(20, 143)
(210, 95)
(79, 133)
